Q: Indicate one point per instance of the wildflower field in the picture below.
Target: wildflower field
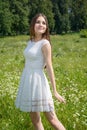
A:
(70, 67)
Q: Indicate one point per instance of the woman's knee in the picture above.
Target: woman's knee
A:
(50, 115)
(52, 118)
(35, 117)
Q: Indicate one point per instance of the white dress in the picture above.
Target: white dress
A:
(34, 93)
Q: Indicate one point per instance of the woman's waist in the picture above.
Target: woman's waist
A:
(34, 65)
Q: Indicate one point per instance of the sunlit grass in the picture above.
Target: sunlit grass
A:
(70, 67)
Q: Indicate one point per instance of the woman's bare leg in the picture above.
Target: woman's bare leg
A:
(52, 118)
(36, 120)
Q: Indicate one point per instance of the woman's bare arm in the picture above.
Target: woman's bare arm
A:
(46, 49)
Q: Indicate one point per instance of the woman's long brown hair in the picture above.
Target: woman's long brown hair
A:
(46, 35)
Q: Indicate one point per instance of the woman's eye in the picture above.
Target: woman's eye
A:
(44, 23)
(39, 22)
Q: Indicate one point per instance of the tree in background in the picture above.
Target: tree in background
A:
(20, 12)
(61, 15)
(78, 15)
(5, 18)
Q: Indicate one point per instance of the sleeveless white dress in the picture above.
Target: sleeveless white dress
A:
(34, 93)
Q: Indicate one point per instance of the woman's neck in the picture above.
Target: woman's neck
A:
(37, 38)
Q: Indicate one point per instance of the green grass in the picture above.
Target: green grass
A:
(70, 67)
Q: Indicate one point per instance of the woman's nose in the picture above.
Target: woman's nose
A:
(41, 24)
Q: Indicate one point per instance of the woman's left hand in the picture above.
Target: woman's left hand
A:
(59, 97)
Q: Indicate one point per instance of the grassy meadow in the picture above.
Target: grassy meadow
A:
(70, 67)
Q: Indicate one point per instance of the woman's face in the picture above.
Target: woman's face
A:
(40, 26)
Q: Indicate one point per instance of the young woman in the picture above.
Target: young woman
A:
(34, 95)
